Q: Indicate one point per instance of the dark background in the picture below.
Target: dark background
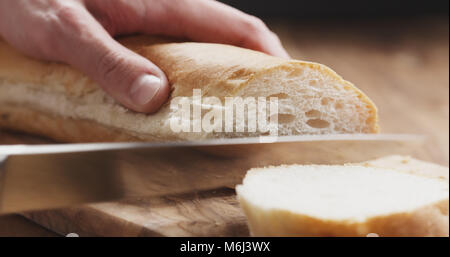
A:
(320, 9)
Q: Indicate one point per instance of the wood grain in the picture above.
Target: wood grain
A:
(401, 64)
(209, 213)
(13, 225)
(212, 213)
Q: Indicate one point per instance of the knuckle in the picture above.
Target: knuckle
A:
(256, 25)
(67, 19)
(66, 10)
(61, 22)
(255, 31)
(258, 35)
(275, 36)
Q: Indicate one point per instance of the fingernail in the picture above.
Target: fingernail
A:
(144, 89)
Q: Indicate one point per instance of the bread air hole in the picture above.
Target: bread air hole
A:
(313, 114)
(318, 123)
(325, 101)
(313, 83)
(279, 96)
(284, 118)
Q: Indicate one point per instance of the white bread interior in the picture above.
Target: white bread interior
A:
(343, 200)
(410, 165)
(312, 98)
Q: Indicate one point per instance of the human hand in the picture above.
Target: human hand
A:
(80, 33)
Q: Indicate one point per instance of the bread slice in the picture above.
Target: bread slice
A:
(57, 101)
(410, 165)
(345, 200)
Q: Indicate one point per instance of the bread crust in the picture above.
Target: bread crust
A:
(218, 70)
(63, 129)
(427, 221)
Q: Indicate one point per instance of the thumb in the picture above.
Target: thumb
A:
(129, 78)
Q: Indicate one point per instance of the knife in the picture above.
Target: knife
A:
(34, 177)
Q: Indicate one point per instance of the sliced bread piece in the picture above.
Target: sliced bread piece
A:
(410, 165)
(351, 200)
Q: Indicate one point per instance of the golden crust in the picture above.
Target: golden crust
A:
(219, 70)
(34, 121)
(428, 221)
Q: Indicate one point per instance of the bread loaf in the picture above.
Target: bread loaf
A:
(57, 101)
(366, 199)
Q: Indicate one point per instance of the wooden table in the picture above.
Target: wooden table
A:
(403, 65)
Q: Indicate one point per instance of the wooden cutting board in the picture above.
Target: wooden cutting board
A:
(209, 213)
(402, 65)
(212, 213)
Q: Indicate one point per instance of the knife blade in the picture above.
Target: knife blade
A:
(48, 176)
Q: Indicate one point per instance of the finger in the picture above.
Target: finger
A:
(128, 77)
(212, 21)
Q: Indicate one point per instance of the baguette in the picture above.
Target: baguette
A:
(57, 101)
(367, 199)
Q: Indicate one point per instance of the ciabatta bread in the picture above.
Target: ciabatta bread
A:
(58, 101)
(347, 200)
